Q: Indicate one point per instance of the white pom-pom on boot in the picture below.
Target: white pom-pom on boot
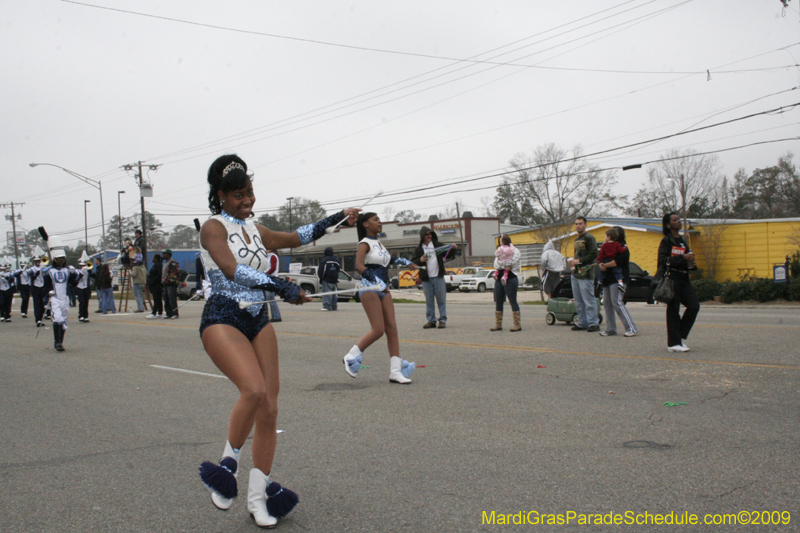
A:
(257, 499)
(396, 371)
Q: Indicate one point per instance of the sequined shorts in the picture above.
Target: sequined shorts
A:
(220, 309)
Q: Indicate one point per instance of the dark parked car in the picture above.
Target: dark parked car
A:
(640, 289)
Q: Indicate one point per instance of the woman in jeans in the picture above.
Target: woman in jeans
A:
(675, 257)
(613, 295)
(507, 290)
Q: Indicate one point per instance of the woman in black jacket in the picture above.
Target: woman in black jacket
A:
(154, 286)
(675, 258)
(613, 295)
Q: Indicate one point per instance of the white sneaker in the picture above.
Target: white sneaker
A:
(683, 343)
(629, 334)
(151, 315)
(677, 348)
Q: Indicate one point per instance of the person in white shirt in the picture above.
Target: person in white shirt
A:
(431, 253)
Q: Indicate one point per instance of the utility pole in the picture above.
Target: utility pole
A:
(143, 191)
(461, 237)
(14, 227)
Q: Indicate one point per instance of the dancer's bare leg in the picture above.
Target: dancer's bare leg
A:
(371, 303)
(390, 326)
(253, 368)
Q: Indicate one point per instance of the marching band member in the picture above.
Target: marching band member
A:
(38, 292)
(84, 290)
(58, 276)
(6, 292)
(24, 286)
(372, 262)
(241, 342)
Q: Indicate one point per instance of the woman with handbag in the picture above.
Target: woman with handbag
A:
(613, 293)
(675, 260)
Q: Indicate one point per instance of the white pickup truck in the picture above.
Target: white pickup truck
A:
(478, 282)
(308, 280)
(453, 281)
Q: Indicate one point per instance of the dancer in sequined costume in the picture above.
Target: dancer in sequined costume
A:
(242, 342)
(372, 262)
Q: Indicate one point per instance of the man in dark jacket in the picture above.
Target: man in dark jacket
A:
(328, 273)
(155, 287)
(430, 253)
(582, 280)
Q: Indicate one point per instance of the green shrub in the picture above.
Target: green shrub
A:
(759, 289)
(707, 289)
(793, 291)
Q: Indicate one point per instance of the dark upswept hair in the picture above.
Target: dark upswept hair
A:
(665, 223)
(581, 217)
(232, 181)
(621, 233)
(363, 217)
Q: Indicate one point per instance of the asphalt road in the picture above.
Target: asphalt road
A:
(108, 435)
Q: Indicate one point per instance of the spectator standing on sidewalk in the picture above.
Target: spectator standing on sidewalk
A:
(675, 257)
(613, 294)
(582, 264)
(169, 279)
(155, 287)
(105, 290)
(139, 278)
(328, 273)
(432, 276)
(553, 264)
(508, 289)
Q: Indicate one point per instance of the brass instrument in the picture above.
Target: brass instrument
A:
(45, 260)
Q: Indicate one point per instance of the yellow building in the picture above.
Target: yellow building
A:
(729, 249)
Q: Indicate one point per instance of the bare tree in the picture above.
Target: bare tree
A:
(699, 175)
(710, 236)
(487, 209)
(559, 185)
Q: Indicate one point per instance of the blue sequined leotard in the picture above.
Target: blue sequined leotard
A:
(223, 305)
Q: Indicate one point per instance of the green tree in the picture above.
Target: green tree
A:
(292, 215)
(771, 192)
(184, 237)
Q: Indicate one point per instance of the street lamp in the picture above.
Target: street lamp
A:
(85, 228)
(290, 212)
(89, 181)
(119, 218)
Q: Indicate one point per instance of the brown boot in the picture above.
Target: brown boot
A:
(498, 321)
(516, 327)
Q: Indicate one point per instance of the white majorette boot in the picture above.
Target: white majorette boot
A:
(352, 361)
(221, 480)
(396, 372)
(257, 499)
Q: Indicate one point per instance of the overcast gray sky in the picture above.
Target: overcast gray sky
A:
(336, 100)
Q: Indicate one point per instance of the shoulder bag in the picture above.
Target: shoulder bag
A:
(665, 290)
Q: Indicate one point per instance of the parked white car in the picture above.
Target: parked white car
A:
(453, 281)
(309, 282)
(479, 282)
